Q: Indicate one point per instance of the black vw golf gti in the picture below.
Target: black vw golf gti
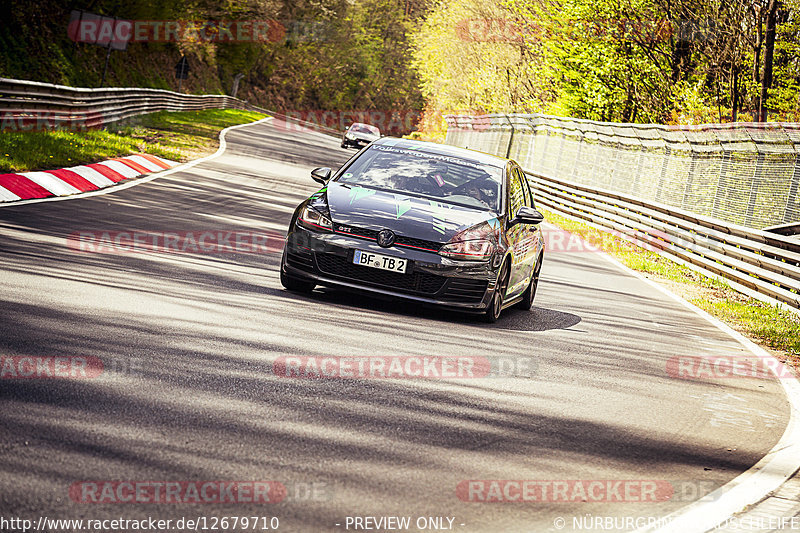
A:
(421, 221)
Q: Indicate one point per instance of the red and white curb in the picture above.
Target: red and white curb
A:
(80, 179)
(174, 167)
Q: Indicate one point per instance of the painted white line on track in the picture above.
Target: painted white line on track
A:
(753, 485)
(778, 465)
(126, 185)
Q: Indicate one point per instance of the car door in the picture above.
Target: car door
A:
(523, 238)
(516, 234)
(533, 234)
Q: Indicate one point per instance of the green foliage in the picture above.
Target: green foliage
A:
(470, 60)
(663, 61)
(334, 54)
(174, 135)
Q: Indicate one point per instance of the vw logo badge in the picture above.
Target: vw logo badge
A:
(385, 238)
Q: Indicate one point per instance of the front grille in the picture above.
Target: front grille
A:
(418, 243)
(301, 258)
(465, 290)
(400, 240)
(414, 282)
(356, 232)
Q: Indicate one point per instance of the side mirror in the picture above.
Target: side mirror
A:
(322, 175)
(528, 215)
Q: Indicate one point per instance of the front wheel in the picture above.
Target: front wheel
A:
(296, 285)
(492, 312)
(530, 293)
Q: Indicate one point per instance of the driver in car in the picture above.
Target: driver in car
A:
(440, 171)
(432, 182)
(475, 192)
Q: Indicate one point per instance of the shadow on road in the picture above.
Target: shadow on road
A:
(537, 319)
(202, 402)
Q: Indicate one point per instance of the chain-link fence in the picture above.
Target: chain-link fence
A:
(744, 174)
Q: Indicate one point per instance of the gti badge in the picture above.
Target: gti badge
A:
(385, 238)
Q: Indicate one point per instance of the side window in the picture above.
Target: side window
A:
(525, 187)
(516, 193)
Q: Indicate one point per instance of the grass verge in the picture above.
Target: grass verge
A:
(771, 327)
(179, 136)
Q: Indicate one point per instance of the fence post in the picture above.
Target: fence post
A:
(663, 176)
(689, 179)
(788, 214)
(615, 172)
(638, 172)
(511, 138)
(544, 149)
(577, 155)
(560, 151)
(751, 202)
(726, 157)
(598, 149)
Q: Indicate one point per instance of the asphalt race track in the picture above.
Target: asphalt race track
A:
(187, 341)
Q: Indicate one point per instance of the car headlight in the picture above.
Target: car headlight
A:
(473, 244)
(349, 136)
(312, 219)
(468, 250)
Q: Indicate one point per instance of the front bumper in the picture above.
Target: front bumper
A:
(327, 258)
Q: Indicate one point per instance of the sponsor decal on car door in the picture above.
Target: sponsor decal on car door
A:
(523, 237)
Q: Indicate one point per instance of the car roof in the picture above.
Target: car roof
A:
(444, 150)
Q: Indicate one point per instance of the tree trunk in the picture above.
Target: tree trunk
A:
(734, 92)
(759, 20)
(681, 54)
(769, 54)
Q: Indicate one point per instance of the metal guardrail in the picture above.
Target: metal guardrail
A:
(747, 174)
(759, 263)
(689, 193)
(789, 230)
(34, 105)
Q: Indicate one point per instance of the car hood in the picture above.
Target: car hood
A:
(409, 216)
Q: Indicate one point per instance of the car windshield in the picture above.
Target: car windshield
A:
(449, 179)
(364, 128)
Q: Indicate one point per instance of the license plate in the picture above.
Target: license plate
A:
(384, 262)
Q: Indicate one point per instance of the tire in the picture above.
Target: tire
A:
(530, 292)
(296, 285)
(495, 307)
(344, 145)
